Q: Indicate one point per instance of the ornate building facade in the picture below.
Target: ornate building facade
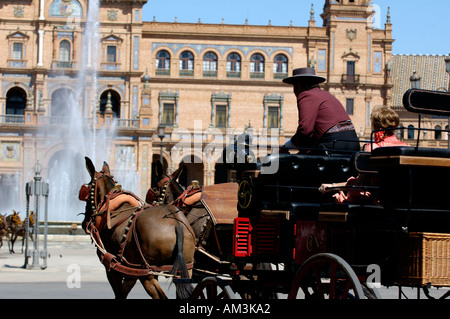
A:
(205, 83)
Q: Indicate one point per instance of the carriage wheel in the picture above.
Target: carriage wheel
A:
(326, 276)
(212, 288)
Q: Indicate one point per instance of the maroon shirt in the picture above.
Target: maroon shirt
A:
(318, 111)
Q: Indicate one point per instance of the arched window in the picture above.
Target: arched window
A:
(16, 102)
(64, 51)
(280, 66)
(62, 100)
(186, 64)
(410, 132)
(437, 132)
(163, 63)
(210, 64)
(234, 65)
(257, 66)
(64, 54)
(110, 99)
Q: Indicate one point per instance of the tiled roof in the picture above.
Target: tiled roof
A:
(431, 69)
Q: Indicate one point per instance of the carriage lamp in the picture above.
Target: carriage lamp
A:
(415, 80)
(161, 134)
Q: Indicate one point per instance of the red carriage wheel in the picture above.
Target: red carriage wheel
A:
(212, 288)
(326, 276)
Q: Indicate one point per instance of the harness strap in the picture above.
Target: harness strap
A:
(118, 262)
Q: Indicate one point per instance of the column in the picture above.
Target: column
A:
(41, 47)
(41, 10)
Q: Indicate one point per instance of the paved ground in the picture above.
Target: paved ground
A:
(74, 271)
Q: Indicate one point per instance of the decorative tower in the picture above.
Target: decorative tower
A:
(357, 58)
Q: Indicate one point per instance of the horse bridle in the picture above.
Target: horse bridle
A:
(159, 195)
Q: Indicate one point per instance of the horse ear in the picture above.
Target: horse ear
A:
(178, 172)
(105, 169)
(90, 166)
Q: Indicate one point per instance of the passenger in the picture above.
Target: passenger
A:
(322, 120)
(382, 117)
(356, 195)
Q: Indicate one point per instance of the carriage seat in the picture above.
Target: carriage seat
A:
(414, 156)
(306, 169)
(413, 178)
(291, 181)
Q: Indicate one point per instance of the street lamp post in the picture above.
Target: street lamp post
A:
(37, 188)
(161, 134)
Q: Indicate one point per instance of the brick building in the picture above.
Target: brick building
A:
(204, 82)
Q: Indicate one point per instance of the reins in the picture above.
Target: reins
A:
(118, 262)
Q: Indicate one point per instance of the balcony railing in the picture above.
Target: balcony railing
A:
(126, 122)
(233, 74)
(280, 75)
(163, 72)
(256, 75)
(64, 65)
(210, 74)
(12, 118)
(12, 63)
(64, 120)
(110, 66)
(350, 78)
(187, 73)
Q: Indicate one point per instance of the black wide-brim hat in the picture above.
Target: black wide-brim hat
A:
(304, 75)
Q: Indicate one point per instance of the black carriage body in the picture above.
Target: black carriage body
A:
(283, 218)
(287, 219)
(279, 211)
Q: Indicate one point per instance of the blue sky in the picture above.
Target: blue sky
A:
(419, 27)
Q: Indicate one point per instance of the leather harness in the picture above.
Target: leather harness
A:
(101, 218)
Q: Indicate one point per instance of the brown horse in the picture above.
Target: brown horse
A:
(20, 230)
(167, 192)
(136, 241)
(15, 227)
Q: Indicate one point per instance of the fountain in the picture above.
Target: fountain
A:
(77, 137)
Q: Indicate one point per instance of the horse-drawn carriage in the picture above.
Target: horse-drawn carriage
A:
(276, 233)
(290, 238)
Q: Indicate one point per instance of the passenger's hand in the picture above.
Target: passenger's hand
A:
(324, 188)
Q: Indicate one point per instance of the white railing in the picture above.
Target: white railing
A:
(12, 118)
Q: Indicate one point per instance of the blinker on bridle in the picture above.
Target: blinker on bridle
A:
(89, 191)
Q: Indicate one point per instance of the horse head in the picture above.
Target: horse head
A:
(167, 189)
(100, 185)
(15, 218)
